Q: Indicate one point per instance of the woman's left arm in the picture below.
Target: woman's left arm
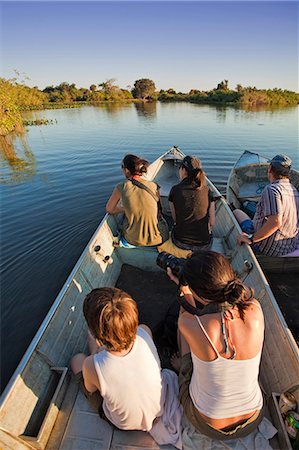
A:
(112, 204)
(184, 289)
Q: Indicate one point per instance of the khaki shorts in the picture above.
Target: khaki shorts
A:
(169, 247)
(241, 430)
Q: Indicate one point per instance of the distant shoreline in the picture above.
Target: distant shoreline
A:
(17, 97)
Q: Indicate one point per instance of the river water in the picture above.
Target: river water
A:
(57, 178)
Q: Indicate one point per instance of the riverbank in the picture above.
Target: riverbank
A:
(17, 97)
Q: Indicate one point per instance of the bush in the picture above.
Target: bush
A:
(10, 117)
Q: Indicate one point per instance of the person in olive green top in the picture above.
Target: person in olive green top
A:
(140, 226)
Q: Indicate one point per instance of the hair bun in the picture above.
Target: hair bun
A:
(228, 289)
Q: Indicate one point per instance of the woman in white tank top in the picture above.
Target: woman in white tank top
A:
(220, 350)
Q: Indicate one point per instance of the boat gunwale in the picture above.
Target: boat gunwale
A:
(264, 161)
(35, 340)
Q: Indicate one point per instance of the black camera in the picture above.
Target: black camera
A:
(176, 265)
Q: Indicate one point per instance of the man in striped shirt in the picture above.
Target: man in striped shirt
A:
(274, 229)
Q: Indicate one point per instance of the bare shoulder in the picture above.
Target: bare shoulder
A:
(254, 312)
(190, 328)
(187, 324)
(147, 329)
(186, 320)
(212, 325)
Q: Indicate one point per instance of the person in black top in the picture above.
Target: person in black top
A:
(192, 207)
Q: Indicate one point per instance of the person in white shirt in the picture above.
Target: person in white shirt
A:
(124, 366)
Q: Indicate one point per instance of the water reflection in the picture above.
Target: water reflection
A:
(248, 111)
(18, 161)
(114, 109)
(221, 113)
(260, 108)
(146, 110)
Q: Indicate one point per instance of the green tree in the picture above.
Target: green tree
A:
(64, 92)
(223, 86)
(93, 88)
(144, 88)
(108, 87)
(194, 92)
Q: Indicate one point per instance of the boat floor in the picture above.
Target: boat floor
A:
(285, 289)
(78, 426)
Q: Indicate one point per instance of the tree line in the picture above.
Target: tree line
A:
(245, 96)
(15, 96)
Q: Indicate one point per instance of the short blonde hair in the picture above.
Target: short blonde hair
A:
(112, 317)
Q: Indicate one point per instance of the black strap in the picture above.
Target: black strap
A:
(199, 310)
(142, 186)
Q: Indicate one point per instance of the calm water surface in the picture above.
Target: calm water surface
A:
(56, 181)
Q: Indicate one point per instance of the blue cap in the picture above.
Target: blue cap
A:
(281, 162)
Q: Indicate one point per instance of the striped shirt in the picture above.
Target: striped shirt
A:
(279, 198)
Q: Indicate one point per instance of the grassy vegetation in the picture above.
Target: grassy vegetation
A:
(16, 97)
(13, 98)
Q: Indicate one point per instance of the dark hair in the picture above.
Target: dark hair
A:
(195, 172)
(280, 172)
(135, 165)
(112, 317)
(212, 277)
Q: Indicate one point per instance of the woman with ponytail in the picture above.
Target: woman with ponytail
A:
(139, 202)
(192, 207)
(220, 347)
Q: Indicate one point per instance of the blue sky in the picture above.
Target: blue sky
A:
(180, 45)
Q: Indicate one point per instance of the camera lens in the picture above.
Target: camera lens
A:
(176, 265)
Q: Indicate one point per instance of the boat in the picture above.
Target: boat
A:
(41, 407)
(245, 184)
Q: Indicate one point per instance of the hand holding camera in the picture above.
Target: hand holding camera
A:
(172, 276)
(175, 268)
